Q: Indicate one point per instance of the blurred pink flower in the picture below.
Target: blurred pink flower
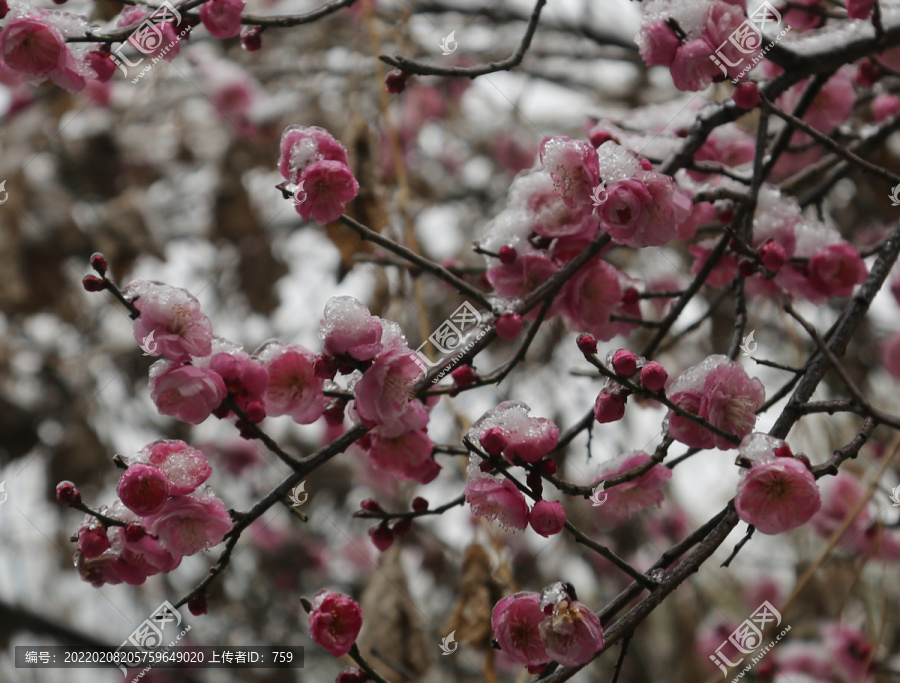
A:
(852, 653)
(624, 500)
(222, 18)
(407, 455)
(590, 297)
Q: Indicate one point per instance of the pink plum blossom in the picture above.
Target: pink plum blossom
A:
(644, 210)
(528, 438)
(658, 43)
(493, 498)
(515, 621)
(170, 321)
(852, 653)
(143, 489)
(590, 297)
(349, 329)
(692, 68)
(92, 540)
(574, 167)
(777, 495)
(385, 392)
(222, 18)
(188, 524)
(522, 277)
(293, 388)
(407, 455)
(624, 500)
(162, 40)
(35, 49)
(329, 186)
(547, 518)
(125, 561)
(244, 377)
(335, 621)
(185, 467)
(186, 392)
(301, 147)
(834, 270)
(572, 633)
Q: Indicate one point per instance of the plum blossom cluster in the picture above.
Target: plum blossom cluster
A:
(535, 629)
(509, 431)
(551, 215)
(317, 165)
(683, 35)
(167, 513)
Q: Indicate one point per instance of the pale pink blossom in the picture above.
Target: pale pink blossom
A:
(222, 18)
(386, 389)
(734, 49)
(572, 633)
(143, 489)
(644, 210)
(162, 40)
(658, 43)
(885, 106)
(547, 518)
(170, 321)
(407, 455)
(730, 400)
(692, 68)
(777, 495)
(852, 653)
(349, 329)
(574, 167)
(188, 524)
(335, 621)
(186, 392)
(523, 276)
(722, 273)
(624, 500)
(494, 498)
(293, 388)
(831, 107)
(515, 621)
(185, 467)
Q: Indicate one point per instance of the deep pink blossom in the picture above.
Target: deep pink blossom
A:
(293, 388)
(547, 518)
(407, 455)
(493, 498)
(692, 68)
(644, 210)
(836, 269)
(34, 48)
(143, 489)
(658, 43)
(609, 406)
(186, 392)
(222, 18)
(301, 147)
(92, 540)
(590, 297)
(859, 9)
(624, 500)
(329, 186)
(335, 622)
(170, 323)
(777, 495)
(852, 653)
(188, 524)
(527, 438)
(245, 378)
(185, 467)
(515, 621)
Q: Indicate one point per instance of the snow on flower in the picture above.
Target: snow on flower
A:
(185, 467)
(188, 524)
(527, 438)
(170, 323)
(495, 498)
(350, 329)
(32, 47)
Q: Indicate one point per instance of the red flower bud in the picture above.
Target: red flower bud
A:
(419, 504)
(382, 536)
(92, 283)
(99, 262)
(624, 363)
(464, 375)
(507, 255)
(197, 604)
(587, 344)
(395, 81)
(509, 325)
